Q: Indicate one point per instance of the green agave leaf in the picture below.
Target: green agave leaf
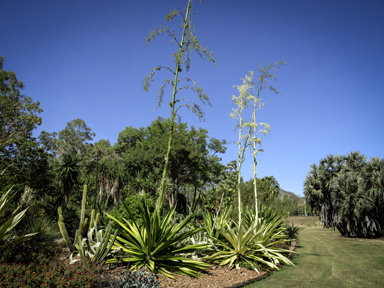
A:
(133, 230)
(165, 273)
(154, 245)
(190, 248)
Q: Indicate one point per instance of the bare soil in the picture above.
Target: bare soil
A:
(215, 277)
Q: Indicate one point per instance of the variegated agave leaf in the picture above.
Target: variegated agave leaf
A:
(155, 244)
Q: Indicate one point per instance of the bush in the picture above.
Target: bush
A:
(54, 273)
(27, 252)
(47, 230)
(132, 204)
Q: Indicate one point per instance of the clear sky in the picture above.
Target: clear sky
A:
(86, 59)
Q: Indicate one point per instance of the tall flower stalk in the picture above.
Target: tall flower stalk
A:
(186, 44)
(242, 103)
(261, 127)
(247, 100)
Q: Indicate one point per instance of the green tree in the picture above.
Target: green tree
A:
(20, 155)
(69, 160)
(185, 45)
(194, 160)
(73, 137)
(69, 171)
(348, 192)
(273, 187)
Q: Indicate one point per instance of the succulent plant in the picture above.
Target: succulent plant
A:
(97, 246)
(136, 279)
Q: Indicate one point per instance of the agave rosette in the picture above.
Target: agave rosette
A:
(98, 246)
(155, 245)
(255, 244)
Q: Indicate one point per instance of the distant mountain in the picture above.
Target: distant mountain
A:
(282, 193)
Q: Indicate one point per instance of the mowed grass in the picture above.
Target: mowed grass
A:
(325, 259)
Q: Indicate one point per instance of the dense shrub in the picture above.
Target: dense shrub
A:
(133, 213)
(54, 273)
(28, 252)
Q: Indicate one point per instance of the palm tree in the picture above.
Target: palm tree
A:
(318, 189)
(374, 185)
(351, 202)
(272, 186)
(69, 171)
(111, 173)
(349, 193)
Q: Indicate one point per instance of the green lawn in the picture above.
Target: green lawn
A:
(325, 259)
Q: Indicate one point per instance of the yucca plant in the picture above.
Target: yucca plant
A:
(155, 244)
(257, 244)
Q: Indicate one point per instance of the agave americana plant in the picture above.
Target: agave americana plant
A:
(200, 237)
(97, 246)
(255, 244)
(212, 223)
(155, 244)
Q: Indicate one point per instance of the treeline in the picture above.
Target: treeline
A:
(349, 193)
(54, 167)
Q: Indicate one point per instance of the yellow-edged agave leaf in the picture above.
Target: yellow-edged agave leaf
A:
(6, 225)
(249, 244)
(155, 244)
(166, 273)
(151, 265)
(190, 248)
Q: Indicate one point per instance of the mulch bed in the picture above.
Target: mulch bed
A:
(215, 277)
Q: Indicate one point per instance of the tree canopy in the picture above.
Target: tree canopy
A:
(21, 159)
(349, 193)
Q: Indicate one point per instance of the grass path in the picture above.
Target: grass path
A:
(325, 259)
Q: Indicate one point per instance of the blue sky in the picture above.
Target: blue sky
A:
(86, 59)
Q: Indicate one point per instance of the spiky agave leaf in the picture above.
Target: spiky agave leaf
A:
(252, 245)
(155, 244)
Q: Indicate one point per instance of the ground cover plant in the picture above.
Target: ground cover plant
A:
(324, 259)
(49, 273)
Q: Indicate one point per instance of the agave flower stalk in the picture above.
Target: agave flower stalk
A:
(186, 44)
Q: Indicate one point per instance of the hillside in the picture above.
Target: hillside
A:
(282, 193)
